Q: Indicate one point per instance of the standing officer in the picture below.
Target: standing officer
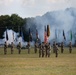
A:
(19, 47)
(43, 49)
(48, 50)
(54, 47)
(12, 46)
(28, 45)
(35, 46)
(70, 47)
(56, 50)
(5, 48)
(62, 47)
(40, 50)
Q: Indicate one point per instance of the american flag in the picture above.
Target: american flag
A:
(45, 36)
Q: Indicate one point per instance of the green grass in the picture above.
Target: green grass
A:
(31, 64)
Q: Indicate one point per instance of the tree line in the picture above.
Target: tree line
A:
(11, 22)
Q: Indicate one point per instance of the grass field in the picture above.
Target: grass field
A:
(31, 64)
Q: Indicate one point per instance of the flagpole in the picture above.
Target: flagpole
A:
(6, 36)
(13, 34)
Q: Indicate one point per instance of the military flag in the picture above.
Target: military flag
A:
(45, 36)
(55, 34)
(30, 35)
(37, 35)
(64, 35)
(6, 35)
(13, 35)
(48, 30)
(71, 35)
(22, 34)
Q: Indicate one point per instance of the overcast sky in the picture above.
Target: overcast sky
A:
(32, 8)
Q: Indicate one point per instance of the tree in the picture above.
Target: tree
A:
(14, 21)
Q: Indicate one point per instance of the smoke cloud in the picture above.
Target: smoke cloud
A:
(58, 20)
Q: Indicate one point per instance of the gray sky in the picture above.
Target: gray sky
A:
(32, 8)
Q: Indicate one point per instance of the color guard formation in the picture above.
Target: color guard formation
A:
(44, 49)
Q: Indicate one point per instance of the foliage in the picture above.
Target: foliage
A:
(14, 21)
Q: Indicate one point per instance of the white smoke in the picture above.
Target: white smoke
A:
(15, 39)
(60, 20)
(11, 37)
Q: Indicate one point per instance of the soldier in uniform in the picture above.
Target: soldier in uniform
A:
(19, 47)
(35, 46)
(46, 47)
(28, 45)
(54, 47)
(48, 50)
(40, 50)
(56, 50)
(62, 47)
(70, 47)
(5, 48)
(43, 49)
(12, 46)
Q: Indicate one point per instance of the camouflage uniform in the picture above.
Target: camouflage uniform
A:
(35, 47)
(40, 50)
(46, 47)
(54, 47)
(5, 48)
(62, 49)
(43, 49)
(49, 50)
(12, 47)
(28, 45)
(19, 47)
(70, 47)
(56, 50)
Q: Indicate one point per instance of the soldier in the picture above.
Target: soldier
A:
(19, 47)
(40, 50)
(43, 49)
(56, 50)
(12, 46)
(35, 46)
(28, 45)
(54, 47)
(62, 49)
(5, 48)
(48, 50)
(70, 47)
